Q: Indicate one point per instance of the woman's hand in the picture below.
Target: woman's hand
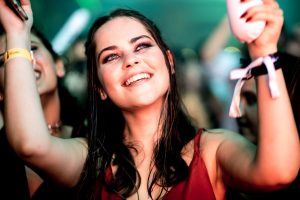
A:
(266, 43)
(11, 22)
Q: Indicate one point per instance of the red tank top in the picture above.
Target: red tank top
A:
(196, 186)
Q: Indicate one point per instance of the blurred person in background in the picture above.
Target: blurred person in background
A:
(218, 62)
(199, 100)
(62, 114)
(75, 79)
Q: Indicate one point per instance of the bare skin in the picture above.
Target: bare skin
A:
(133, 73)
(47, 71)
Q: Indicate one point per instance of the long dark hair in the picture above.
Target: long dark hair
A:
(70, 112)
(106, 126)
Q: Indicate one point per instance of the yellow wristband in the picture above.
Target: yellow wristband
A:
(17, 52)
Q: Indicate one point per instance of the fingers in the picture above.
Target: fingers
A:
(26, 5)
(269, 11)
(25, 2)
(252, 0)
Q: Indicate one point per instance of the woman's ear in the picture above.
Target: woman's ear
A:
(60, 68)
(102, 93)
(171, 61)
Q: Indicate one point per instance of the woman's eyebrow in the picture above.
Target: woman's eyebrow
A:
(139, 37)
(133, 40)
(106, 49)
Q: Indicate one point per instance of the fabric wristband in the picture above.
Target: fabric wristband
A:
(260, 66)
(262, 70)
(17, 52)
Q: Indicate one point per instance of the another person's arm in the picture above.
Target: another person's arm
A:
(60, 159)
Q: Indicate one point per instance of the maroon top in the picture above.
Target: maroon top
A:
(196, 186)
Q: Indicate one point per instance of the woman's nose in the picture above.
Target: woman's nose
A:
(131, 60)
(243, 105)
(33, 61)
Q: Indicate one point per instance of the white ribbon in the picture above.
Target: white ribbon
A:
(244, 74)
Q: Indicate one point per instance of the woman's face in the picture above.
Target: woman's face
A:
(45, 68)
(131, 67)
(249, 120)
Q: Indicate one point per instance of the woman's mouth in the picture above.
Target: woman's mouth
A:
(136, 78)
(37, 74)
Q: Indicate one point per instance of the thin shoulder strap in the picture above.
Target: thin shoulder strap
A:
(197, 140)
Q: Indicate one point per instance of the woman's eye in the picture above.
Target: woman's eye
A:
(34, 48)
(250, 98)
(143, 46)
(110, 57)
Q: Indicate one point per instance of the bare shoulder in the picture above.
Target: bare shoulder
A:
(218, 140)
(220, 144)
(79, 140)
(211, 143)
(213, 137)
(217, 136)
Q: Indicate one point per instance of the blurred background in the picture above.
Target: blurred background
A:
(196, 30)
(185, 23)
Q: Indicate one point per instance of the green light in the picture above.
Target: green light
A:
(89, 4)
(232, 49)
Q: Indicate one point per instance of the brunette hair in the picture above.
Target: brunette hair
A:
(106, 126)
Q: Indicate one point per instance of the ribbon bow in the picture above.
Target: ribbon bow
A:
(245, 74)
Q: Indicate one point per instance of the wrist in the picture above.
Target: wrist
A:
(260, 66)
(262, 69)
(18, 40)
(256, 52)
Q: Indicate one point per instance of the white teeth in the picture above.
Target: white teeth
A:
(136, 78)
(37, 75)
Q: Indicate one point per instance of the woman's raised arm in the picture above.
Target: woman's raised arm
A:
(275, 161)
(59, 159)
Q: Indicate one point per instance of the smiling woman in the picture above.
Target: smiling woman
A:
(141, 143)
(137, 50)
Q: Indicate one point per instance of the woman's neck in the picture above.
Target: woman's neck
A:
(143, 128)
(142, 124)
(51, 108)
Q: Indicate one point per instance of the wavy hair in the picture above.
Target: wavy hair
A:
(106, 126)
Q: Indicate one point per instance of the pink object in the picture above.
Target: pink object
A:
(243, 31)
(243, 74)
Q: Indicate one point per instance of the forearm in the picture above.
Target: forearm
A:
(23, 114)
(278, 149)
(274, 162)
(216, 41)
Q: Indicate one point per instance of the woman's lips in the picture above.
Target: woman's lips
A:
(37, 74)
(136, 77)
